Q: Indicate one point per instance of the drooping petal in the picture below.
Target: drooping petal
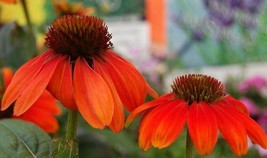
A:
(34, 89)
(92, 95)
(202, 126)
(254, 131)
(7, 76)
(236, 103)
(232, 129)
(22, 78)
(151, 92)
(48, 102)
(117, 123)
(171, 124)
(129, 83)
(60, 85)
(149, 123)
(137, 111)
(41, 117)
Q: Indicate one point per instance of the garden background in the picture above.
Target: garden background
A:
(164, 38)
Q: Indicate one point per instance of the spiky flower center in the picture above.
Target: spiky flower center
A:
(197, 87)
(78, 35)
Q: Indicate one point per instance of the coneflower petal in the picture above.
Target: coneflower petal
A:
(7, 76)
(117, 123)
(171, 124)
(231, 128)
(149, 123)
(137, 111)
(235, 103)
(22, 78)
(92, 95)
(35, 89)
(202, 126)
(46, 120)
(48, 102)
(129, 83)
(60, 85)
(254, 131)
(151, 92)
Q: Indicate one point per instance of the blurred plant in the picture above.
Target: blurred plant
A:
(43, 112)
(153, 65)
(228, 12)
(63, 7)
(252, 92)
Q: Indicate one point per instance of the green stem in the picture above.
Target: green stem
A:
(68, 147)
(72, 124)
(189, 146)
(26, 13)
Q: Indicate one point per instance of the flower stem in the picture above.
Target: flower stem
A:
(189, 146)
(68, 147)
(72, 124)
(27, 16)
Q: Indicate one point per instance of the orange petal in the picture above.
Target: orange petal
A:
(41, 117)
(149, 123)
(9, 1)
(137, 111)
(231, 128)
(129, 83)
(151, 92)
(254, 131)
(48, 102)
(171, 124)
(236, 103)
(117, 123)
(34, 89)
(7, 76)
(22, 78)
(92, 95)
(60, 84)
(202, 126)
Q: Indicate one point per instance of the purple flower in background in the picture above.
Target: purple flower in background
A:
(225, 12)
(222, 12)
(257, 83)
(251, 6)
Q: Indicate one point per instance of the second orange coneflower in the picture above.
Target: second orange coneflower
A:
(82, 72)
(200, 102)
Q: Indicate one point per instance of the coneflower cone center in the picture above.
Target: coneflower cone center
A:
(78, 35)
(197, 87)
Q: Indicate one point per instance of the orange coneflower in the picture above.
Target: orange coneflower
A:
(200, 102)
(9, 1)
(42, 112)
(82, 72)
(63, 7)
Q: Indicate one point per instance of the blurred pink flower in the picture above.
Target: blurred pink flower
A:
(256, 82)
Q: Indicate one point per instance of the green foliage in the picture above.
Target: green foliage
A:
(22, 139)
(17, 45)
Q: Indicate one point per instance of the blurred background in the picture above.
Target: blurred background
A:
(163, 39)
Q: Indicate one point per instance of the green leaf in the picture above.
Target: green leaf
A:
(23, 139)
(17, 45)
